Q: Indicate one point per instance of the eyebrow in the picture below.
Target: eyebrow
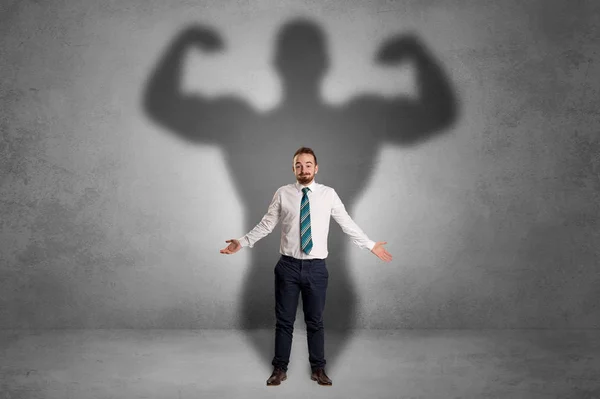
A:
(301, 162)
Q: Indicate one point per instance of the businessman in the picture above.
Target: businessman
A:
(304, 208)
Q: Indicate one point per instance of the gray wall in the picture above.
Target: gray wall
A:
(117, 195)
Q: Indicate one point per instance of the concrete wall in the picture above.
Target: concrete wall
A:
(129, 153)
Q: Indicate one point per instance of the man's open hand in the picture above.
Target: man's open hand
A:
(380, 251)
(233, 247)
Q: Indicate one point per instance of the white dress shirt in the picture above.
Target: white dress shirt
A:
(285, 207)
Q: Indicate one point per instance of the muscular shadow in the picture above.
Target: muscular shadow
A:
(259, 149)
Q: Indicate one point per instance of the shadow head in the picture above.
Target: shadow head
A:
(301, 53)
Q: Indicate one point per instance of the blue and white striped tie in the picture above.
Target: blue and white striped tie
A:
(305, 234)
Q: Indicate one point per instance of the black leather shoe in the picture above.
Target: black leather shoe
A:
(320, 376)
(277, 376)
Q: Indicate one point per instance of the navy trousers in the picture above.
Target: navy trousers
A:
(292, 277)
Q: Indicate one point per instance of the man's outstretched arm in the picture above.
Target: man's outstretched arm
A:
(358, 236)
(263, 228)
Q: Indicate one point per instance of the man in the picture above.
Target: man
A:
(304, 208)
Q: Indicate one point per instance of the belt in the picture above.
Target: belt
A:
(292, 259)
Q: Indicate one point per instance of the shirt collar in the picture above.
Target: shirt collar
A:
(312, 186)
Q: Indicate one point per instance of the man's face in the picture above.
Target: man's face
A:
(305, 168)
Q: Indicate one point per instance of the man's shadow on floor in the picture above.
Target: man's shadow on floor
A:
(259, 148)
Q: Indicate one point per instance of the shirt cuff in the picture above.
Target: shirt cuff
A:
(244, 242)
(370, 244)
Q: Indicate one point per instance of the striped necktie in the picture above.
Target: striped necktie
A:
(305, 234)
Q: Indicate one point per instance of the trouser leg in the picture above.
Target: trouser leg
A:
(314, 289)
(287, 290)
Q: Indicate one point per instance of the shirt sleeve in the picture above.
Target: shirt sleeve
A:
(340, 215)
(266, 225)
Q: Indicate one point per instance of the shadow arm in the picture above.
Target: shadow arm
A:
(435, 106)
(192, 117)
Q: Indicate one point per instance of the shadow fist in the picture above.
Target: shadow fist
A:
(398, 49)
(204, 38)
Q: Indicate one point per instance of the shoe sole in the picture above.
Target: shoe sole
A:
(279, 383)
(320, 383)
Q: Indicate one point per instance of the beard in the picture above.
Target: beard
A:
(304, 179)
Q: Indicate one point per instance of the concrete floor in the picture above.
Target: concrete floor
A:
(181, 364)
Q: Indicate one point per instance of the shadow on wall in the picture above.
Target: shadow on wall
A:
(259, 148)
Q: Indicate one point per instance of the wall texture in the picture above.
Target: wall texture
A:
(137, 136)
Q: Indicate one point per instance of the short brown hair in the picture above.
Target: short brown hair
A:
(306, 150)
